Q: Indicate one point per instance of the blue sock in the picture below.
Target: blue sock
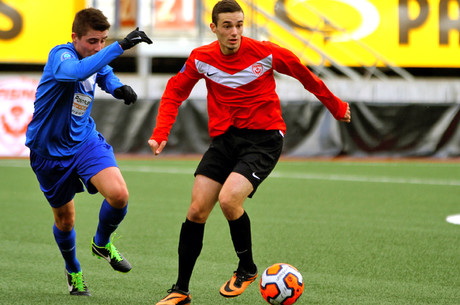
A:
(66, 244)
(109, 219)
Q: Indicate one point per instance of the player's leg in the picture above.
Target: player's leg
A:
(234, 192)
(64, 234)
(258, 153)
(110, 183)
(231, 198)
(59, 184)
(97, 168)
(204, 198)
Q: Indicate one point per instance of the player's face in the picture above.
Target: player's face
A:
(90, 43)
(228, 30)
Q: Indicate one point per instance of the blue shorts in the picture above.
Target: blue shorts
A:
(61, 179)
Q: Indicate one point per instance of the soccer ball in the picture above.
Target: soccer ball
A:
(281, 284)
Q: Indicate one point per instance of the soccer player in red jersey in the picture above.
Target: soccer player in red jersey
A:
(247, 131)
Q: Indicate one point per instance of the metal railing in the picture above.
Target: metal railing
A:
(178, 44)
(329, 64)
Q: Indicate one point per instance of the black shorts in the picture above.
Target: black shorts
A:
(251, 153)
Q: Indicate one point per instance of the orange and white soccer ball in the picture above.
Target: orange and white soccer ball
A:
(281, 284)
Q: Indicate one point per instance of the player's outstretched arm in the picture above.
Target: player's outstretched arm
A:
(133, 39)
(347, 117)
(157, 148)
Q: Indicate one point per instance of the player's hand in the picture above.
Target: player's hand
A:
(133, 39)
(156, 148)
(347, 117)
(126, 93)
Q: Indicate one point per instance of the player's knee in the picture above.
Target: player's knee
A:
(230, 207)
(64, 220)
(65, 224)
(119, 198)
(197, 213)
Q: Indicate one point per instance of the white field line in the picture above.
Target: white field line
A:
(280, 174)
(323, 177)
(377, 179)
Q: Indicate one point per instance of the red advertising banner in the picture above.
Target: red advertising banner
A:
(128, 13)
(17, 95)
(175, 14)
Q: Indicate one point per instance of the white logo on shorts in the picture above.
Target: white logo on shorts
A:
(255, 176)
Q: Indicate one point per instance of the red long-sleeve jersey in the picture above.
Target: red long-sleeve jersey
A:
(241, 87)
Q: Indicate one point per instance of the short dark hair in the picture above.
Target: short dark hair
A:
(89, 19)
(224, 6)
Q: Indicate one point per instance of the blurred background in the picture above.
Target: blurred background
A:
(397, 63)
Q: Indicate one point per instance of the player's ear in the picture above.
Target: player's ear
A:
(213, 27)
(74, 36)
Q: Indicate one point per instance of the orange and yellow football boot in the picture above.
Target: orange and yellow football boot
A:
(176, 297)
(237, 284)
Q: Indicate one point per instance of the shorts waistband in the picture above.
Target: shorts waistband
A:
(246, 131)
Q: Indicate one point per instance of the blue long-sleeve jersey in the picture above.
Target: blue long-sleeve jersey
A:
(61, 122)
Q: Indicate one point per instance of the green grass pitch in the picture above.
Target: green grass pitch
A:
(359, 232)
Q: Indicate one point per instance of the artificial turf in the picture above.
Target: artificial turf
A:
(360, 232)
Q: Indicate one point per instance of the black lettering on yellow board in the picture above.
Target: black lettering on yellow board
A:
(446, 23)
(16, 20)
(406, 24)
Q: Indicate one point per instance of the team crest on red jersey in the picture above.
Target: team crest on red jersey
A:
(257, 69)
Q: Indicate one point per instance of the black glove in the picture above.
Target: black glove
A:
(133, 39)
(127, 93)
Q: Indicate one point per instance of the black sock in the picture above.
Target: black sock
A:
(190, 245)
(240, 230)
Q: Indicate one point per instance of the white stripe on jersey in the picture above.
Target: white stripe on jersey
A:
(88, 83)
(238, 79)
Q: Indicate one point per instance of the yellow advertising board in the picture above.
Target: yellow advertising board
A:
(407, 33)
(30, 28)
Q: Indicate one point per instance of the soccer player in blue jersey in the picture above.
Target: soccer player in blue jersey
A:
(66, 150)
